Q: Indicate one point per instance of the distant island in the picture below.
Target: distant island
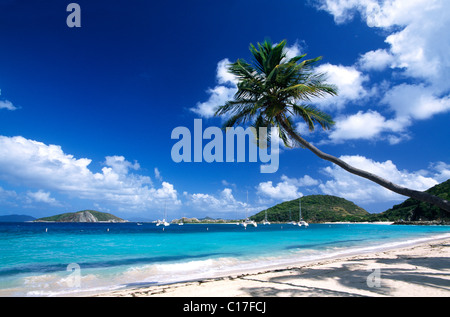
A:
(82, 216)
(326, 208)
(16, 218)
(315, 208)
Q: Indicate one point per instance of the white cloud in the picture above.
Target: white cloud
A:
(158, 174)
(349, 82)
(366, 125)
(287, 189)
(6, 104)
(415, 101)
(282, 191)
(220, 94)
(375, 60)
(44, 197)
(441, 171)
(119, 165)
(304, 181)
(293, 51)
(360, 190)
(344, 10)
(378, 13)
(223, 75)
(34, 164)
(418, 46)
(417, 30)
(225, 202)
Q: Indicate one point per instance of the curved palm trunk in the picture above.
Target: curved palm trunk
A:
(418, 195)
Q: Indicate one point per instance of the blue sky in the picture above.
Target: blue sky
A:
(86, 114)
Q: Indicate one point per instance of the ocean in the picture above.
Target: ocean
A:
(70, 259)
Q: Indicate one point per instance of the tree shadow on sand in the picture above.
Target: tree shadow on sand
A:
(353, 275)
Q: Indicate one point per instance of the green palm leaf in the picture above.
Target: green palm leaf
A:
(273, 88)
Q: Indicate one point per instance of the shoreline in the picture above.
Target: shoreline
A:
(412, 269)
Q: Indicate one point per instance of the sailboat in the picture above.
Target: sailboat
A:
(301, 222)
(291, 222)
(248, 222)
(266, 222)
(163, 222)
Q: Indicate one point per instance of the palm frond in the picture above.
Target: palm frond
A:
(271, 91)
(312, 115)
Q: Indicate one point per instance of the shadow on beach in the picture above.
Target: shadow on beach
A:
(350, 278)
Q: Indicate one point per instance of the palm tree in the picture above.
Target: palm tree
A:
(273, 89)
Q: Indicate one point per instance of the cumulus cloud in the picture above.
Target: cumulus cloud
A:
(360, 190)
(30, 163)
(220, 94)
(224, 204)
(43, 197)
(375, 60)
(441, 171)
(281, 191)
(367, 126)
(416, 101)
(349, 82)
(286, 189)
(417, 37)
(418, 46)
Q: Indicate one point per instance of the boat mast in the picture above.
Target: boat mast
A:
(299, 209)
(246, 208)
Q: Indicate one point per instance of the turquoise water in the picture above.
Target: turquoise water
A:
(52, 259)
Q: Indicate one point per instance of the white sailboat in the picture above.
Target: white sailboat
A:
(301, 222)
(266, 222)
(248, 222)
(163, 222)
(291, 222)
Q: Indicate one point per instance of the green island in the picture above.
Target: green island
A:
(325, 208)
(315, 208)
(82, 216)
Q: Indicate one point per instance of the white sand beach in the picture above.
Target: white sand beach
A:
(419, 270)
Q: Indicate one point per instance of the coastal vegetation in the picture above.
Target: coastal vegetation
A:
(325, 208)
(412, 210)
(315, 208)
(274, 89)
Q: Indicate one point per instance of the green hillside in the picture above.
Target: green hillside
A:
(315, 208)
(414, 210)
(83, 216)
